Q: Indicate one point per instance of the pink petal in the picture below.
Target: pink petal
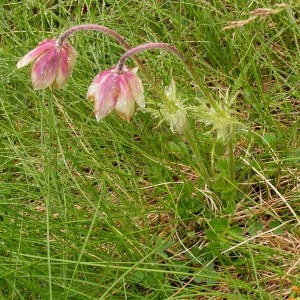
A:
(106, 97)
(36, 52)
(102, 75)
(125, 103)
(97, 84)
(45, 69)
(137, 89)
(66, 64)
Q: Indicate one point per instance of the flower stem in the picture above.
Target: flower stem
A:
(174, 50)
(105, 30)
(145, 47)
(231, 158)
(202, 169)
(95, 27)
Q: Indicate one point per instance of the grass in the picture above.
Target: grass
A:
(117, 210)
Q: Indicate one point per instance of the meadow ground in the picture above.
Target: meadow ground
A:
(196, 198)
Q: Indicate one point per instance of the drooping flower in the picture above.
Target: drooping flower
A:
(52, 63)
(117, 90)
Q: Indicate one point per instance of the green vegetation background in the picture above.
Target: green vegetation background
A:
(117, 210)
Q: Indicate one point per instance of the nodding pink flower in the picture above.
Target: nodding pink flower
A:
(117, 90)
(52, 64)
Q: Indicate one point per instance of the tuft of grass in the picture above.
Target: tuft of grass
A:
(117, 210)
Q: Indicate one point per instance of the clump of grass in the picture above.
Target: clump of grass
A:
(120, 210)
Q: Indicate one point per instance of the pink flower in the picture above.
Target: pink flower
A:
(116, 90)
(52, 64)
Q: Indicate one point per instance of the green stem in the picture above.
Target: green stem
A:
(231, 158)
(46, 144)
(202, 169)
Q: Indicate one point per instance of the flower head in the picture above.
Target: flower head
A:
(172, 110)
(176, 113)
(116, 90)
(222, 119)
(52, 63)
